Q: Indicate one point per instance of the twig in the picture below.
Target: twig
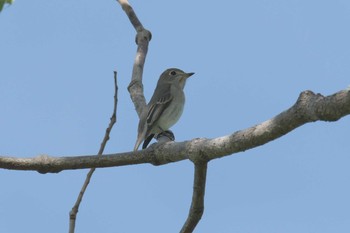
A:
(75, 209)
(197, 205)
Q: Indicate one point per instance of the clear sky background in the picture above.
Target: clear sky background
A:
(251, 59)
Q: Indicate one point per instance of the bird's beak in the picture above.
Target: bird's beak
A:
(189, 74)
(185, 76)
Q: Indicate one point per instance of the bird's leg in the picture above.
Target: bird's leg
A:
(165, 136)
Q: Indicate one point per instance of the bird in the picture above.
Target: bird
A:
(165, 107)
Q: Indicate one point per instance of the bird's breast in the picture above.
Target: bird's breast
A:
(173, 112)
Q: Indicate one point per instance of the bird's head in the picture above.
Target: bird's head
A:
(176, 76)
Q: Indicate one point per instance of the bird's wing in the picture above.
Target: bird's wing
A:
(158, 105)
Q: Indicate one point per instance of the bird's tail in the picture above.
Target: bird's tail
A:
(138, 141)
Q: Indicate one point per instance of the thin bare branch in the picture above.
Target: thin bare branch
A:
(73, 213)
(197, 204)
(309, 107)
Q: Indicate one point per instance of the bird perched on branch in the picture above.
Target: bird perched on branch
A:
(165, 107)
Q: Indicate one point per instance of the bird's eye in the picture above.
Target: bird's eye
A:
(173, 72)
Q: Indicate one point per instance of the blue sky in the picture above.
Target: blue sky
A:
(251, 59)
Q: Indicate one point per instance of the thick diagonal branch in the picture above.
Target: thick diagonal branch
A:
(309, 107)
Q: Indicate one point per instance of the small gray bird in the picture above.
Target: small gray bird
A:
(165, 107)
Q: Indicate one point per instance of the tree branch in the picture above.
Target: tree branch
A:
(309, 107)
(143, 37)
(197, 205)
(136, 23)
(73, 213)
